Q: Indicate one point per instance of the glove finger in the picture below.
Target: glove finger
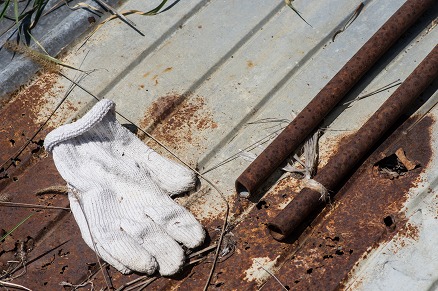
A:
(169, 175)
(167, 252)
(127, 250)
(178, 222)
(111, 260)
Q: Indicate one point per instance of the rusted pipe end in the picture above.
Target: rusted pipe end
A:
(276, 232)
(242, 190)
(295, 213)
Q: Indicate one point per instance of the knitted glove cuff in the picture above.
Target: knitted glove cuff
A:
(68, 131)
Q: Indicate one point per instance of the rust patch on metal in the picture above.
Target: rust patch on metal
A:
(254, 250)
(160, 109)
(178, 130)
(18, 121)
(367, 212)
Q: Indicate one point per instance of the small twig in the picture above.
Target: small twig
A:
(207, 249)
(12, 285)
(272, 275)
(248, 148)
(289, 3)
(386, 87)
(66, 284)
(115, 12)
(141, 285)
(26, 205)
(349, 21)
(146, 284)
(132, 282)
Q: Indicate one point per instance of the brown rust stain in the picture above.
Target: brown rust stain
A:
(249, 64)
(358, 222)
(160, 109)
(18, 121)
(252, 242)
(168, 69)
(177, 118)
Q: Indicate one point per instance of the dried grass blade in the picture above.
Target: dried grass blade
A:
(81, 5)
(350, 20)
(43, 59)
(289, 3)
(115, 12)
(12, 285)
(124, 13)
(25, 205)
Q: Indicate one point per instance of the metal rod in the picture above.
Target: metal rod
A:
(339, 167)
(313, 114)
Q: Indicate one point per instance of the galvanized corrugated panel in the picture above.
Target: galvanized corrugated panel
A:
(54, 31)
(209, 79)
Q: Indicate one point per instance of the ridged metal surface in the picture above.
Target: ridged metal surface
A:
(312, 115)
(210, 94)
(353, 150)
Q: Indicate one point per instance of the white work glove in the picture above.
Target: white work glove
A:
(119, 194)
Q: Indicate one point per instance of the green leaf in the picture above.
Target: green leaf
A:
(6, 4)
(16, 11)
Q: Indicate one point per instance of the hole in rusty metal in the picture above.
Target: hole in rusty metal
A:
(91, 266)
(63, 269)
(336, 238)
(389, 221)
(309, 271)
(219, 284)
(351, 251)
(262, 204)
(339, 252)
(287, 287)
(325, 257)
(63, 254)
(12, 142)
(390, 167)
(297, 281)
(15, 179)
(36, 150)
(15, 161)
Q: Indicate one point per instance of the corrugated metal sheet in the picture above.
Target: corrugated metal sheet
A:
(212, 78)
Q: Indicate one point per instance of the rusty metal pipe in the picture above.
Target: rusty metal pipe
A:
(352, 151)
(312, 115)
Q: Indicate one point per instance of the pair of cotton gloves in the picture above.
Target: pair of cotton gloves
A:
(119, 192)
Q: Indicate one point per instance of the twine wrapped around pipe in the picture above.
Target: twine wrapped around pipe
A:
(312, 115)
(339, 167)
